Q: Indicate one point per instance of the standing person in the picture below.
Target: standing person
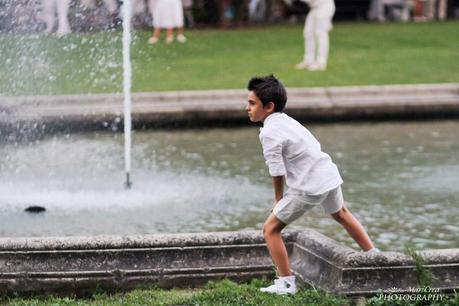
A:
(167, 14)
(61, 7)
(316, 41)
(294, 158)
(188, 12)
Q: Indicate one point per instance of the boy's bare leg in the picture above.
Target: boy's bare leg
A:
(354, 228)
(272, 233)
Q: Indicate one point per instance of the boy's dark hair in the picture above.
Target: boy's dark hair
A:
(269, 89)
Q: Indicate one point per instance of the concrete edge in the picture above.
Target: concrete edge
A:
(38, 115)
(225, 94)
(324, 263)
(136, 241)
(75, 264)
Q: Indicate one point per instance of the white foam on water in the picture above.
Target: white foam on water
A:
(164, 190)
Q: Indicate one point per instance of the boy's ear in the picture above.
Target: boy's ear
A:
(270, 107)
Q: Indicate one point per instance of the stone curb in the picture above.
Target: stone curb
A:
(133, 241)
(82, 264)
(340, 269)
(201, 107)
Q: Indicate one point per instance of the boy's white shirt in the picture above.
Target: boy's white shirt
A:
(290, 149)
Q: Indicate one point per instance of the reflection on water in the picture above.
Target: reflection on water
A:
(401, 180)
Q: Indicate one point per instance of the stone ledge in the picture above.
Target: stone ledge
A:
(135, 241)
(340, 269)
(198, 107)
(78, 264)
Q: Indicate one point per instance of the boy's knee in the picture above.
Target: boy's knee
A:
(266, 229)
(269, 228)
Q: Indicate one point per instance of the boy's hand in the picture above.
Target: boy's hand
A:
(278, 186)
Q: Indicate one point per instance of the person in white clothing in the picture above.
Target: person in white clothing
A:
(316, 40)
(50, 8)
(167, 14)
(61, 7)
(295, 159)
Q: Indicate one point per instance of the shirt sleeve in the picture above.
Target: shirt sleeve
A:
(272, 152)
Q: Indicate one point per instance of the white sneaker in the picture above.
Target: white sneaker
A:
(373, 251)
(317, 67)
(302, 65)
(153, 40)
(62, 32)
(282, 285)
(181, 38)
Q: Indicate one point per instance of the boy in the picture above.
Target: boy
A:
(294, 157)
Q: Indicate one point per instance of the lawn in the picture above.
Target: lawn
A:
(361, 54)
(223, 293)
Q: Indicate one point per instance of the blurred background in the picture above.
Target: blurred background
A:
(27, 15)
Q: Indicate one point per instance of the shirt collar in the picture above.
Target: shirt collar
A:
(272, 117)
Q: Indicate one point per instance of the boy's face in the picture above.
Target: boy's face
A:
(255, 108)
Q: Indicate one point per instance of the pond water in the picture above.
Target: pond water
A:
(401, 181)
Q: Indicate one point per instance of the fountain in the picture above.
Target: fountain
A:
(127, 79)
(400, 181)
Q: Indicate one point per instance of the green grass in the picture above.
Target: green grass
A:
(423, 274)
(215, 293)
(222, 293)
(361, 54)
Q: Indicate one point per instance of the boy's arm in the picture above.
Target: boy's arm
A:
(272, 152)
(278, 185)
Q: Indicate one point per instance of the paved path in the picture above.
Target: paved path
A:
(216, 106)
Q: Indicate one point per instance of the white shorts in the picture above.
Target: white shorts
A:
(294, 204)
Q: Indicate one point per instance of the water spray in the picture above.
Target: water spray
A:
(127, 74)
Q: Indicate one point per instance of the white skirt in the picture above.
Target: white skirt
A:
(167, 14)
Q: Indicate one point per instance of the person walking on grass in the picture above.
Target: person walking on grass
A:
(167, 14)
(316, 40)
(295, 159)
